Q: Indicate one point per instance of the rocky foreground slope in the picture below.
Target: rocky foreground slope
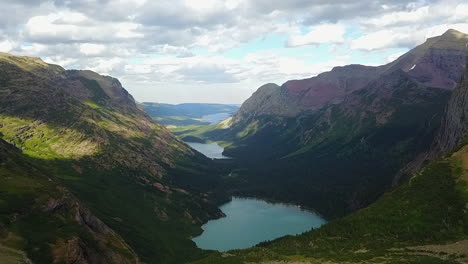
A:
(144, 191)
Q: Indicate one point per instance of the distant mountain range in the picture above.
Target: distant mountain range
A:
(186, 114)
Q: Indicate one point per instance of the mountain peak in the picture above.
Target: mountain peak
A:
(451, 39)
(454, 33)
(31, 64)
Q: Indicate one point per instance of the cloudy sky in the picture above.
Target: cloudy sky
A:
(219, 50)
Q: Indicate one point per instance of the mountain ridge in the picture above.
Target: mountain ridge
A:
(311, 93)
(341, 156)
(89, 135)
(422, 220)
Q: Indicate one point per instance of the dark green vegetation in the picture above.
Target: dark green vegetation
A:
(340, 155)
(102, 177)
(427, 209)
(185, 114)
(343, 156)
(335, 160)
(41, 218)
(85, 132)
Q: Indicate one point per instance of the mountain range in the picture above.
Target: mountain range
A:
(423, 218)
(185, 114)
(336, 142)
(89, 177)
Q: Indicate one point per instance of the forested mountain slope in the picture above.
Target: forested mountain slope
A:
(87, 133)
(424, 220)
(336, 142)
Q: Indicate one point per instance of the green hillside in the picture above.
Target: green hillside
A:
(86, 132)
(421, 221)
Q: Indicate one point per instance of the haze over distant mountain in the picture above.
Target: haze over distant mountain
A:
(186, 114)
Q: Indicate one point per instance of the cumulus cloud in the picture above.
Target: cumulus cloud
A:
(65, 26)
(6, 46)
(183, 43)
(322, 34)
(92, 49)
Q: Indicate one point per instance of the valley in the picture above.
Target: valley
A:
(360, 164)
(188, 114)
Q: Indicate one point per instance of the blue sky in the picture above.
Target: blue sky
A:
(219, 51)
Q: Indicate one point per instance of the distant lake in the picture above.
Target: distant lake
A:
(211, 150)
(216, 118)
(250, 221)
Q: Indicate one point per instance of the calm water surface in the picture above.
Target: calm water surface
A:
(250, 221)
(216, 118)
(211, 150)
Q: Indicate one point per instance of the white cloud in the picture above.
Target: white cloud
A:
(379, 40)
(92, 49)
(440, 29)
(106, 66)
(65, 26)
(404, 36)
(6, 46)
(322, 34)
(181, 44)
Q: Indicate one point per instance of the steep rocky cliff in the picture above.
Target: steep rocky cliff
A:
(454, 126)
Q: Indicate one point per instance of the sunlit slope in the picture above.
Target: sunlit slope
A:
(131, 172)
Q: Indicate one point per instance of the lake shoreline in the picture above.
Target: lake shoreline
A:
(250, 221)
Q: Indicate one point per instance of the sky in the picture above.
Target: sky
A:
(219, 51)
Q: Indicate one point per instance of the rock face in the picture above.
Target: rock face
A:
(330, 87)
(451, 133)
(439, 62)
(454, 126)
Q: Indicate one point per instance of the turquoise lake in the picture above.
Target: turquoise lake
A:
(250, 221)
(211, 150)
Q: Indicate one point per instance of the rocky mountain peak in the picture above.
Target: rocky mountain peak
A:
(451, 39)
(439, 62)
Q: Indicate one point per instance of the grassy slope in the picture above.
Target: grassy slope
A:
(28, 229)
(127, 170)
(431, 208)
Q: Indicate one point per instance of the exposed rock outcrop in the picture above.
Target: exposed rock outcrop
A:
(454, 127)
